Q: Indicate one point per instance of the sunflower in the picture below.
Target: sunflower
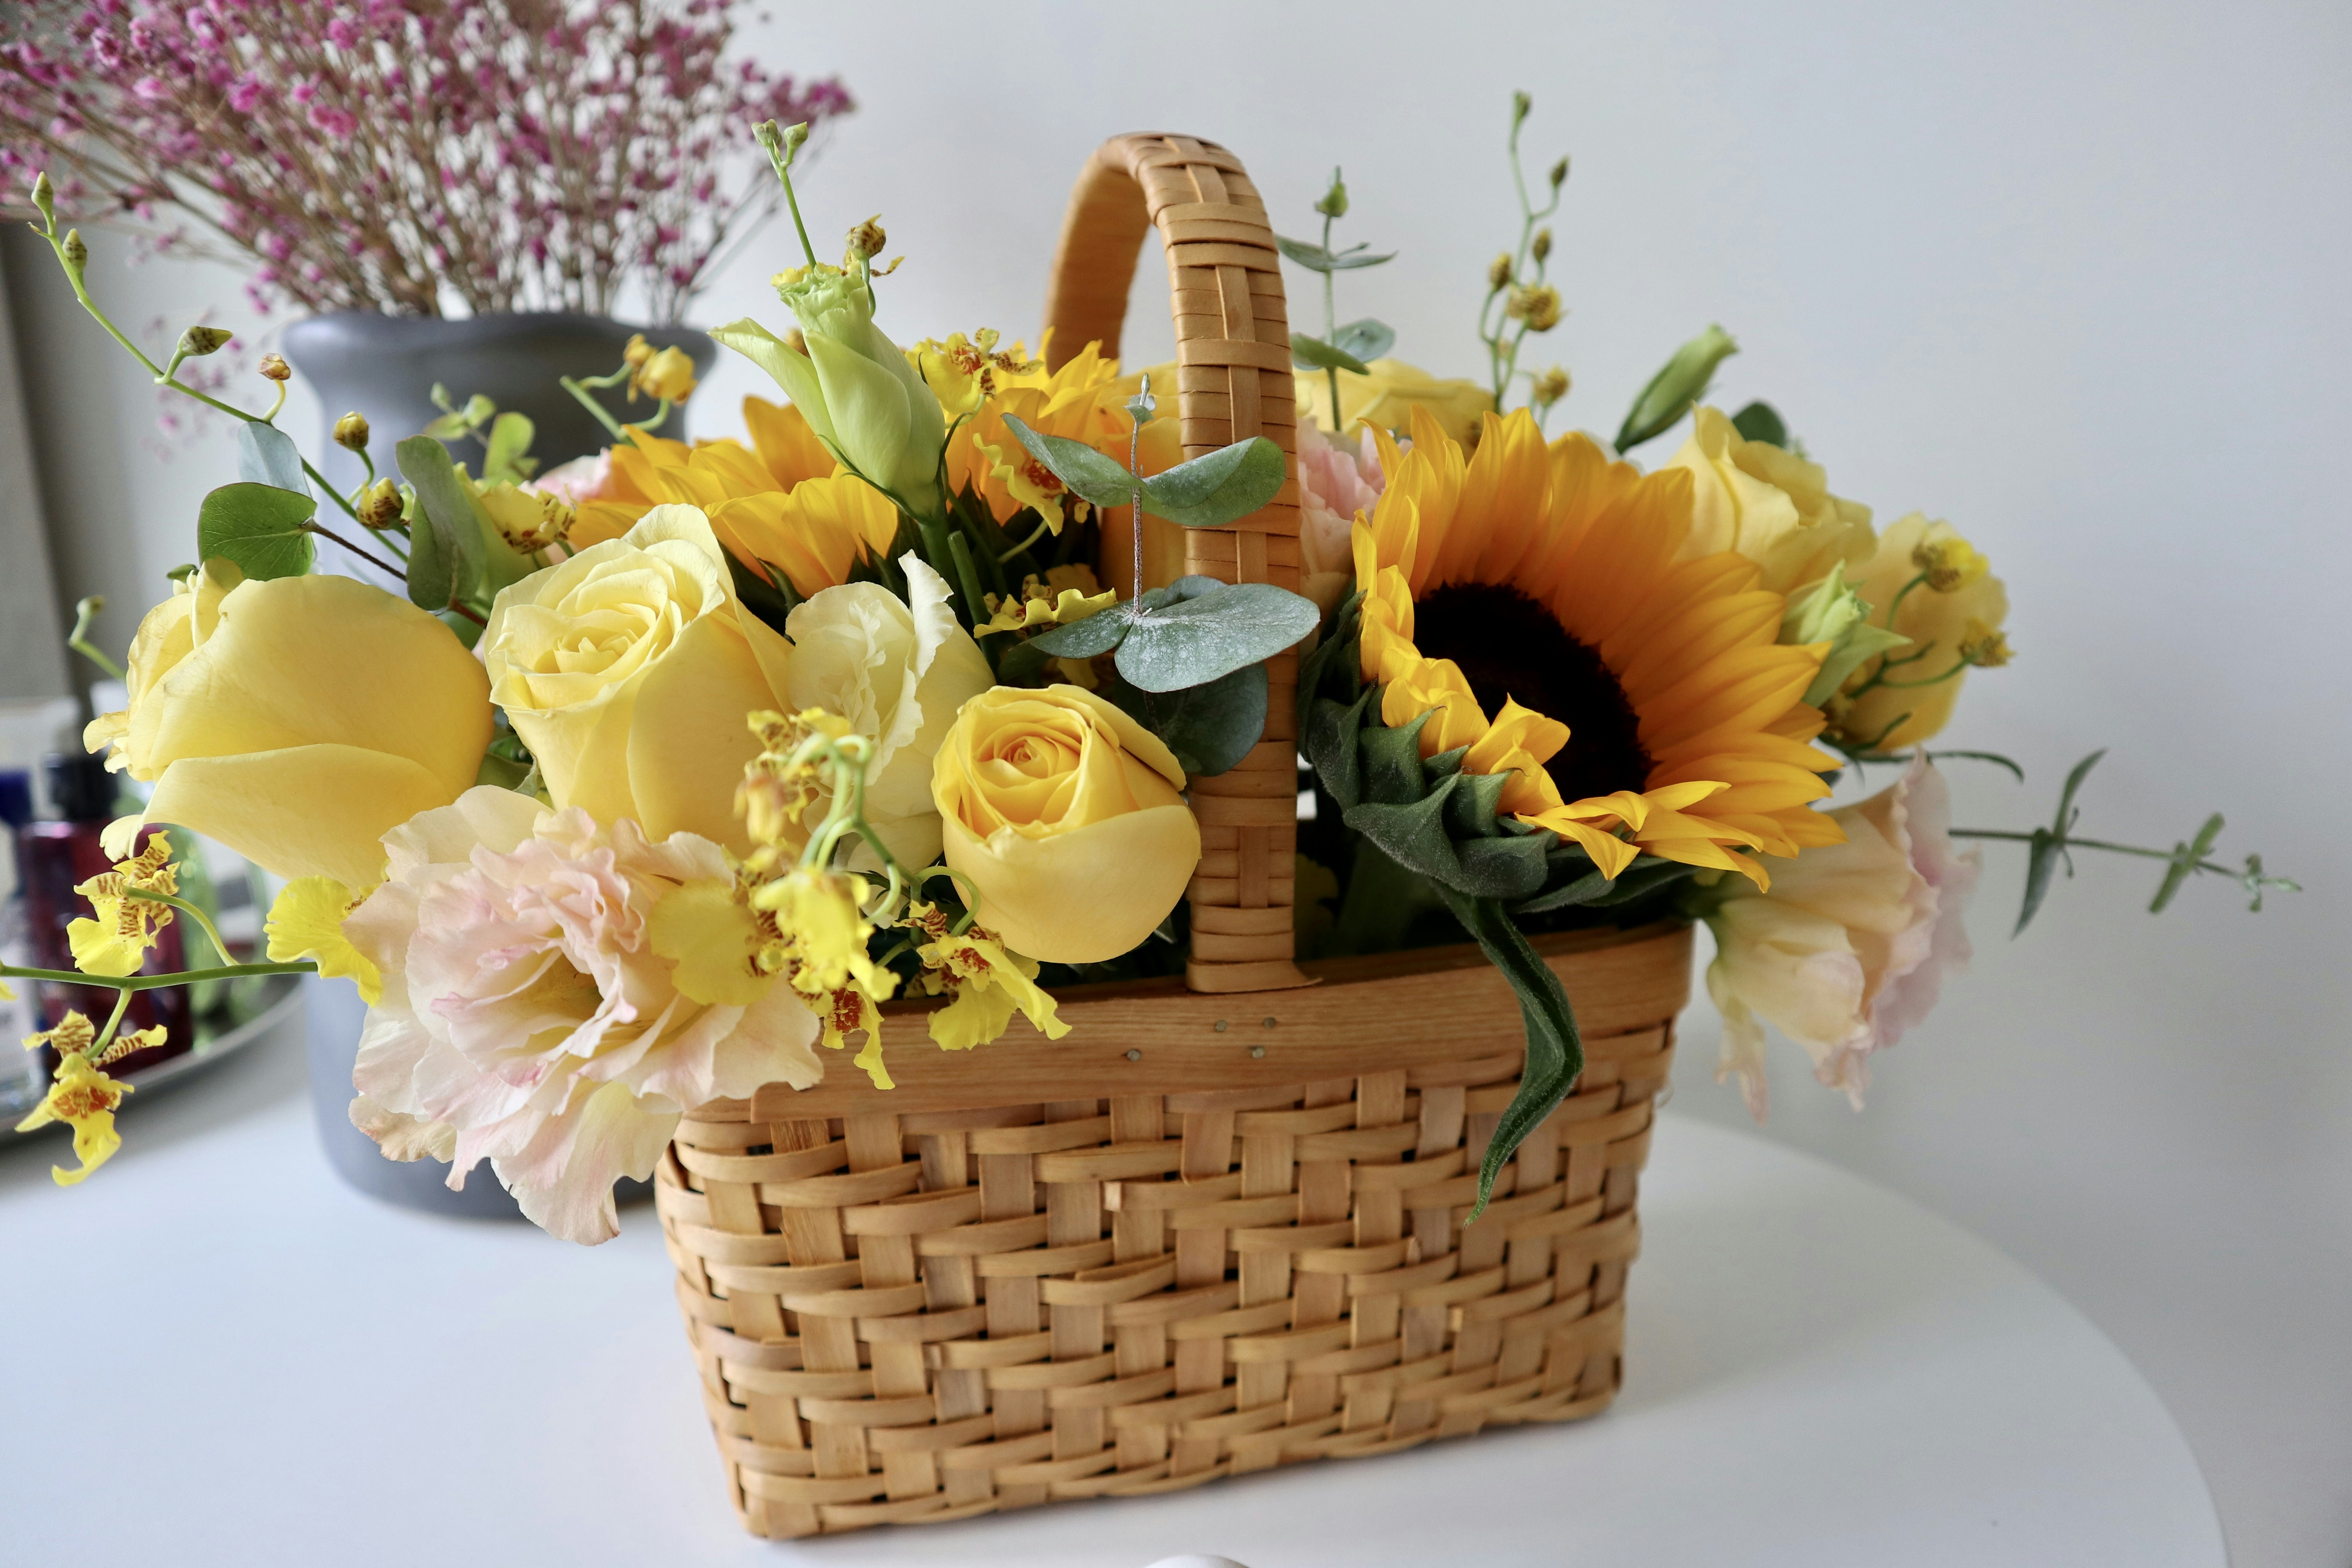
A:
(783, 505)
(1641, 704)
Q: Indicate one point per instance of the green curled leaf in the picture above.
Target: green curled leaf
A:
(1220, 488)
(1315, 352)
(1090, 476)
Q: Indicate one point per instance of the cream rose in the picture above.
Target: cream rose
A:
(898, 672)
(1769, 505)
(296, 720)
(1389, 395)
(1065, 815)
(628, 670)
(1850, 947)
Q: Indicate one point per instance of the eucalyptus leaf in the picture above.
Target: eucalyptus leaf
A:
(1315, 352)
(2041, 866)
(268, 456)
(1197, 640)
(509, 456)
(1090, 475)
(1367, 338)
(1315, 259)
(1097, 634)
(259, 527)
(445, 507)
(1761, 422)
(1220, 488)
(1209, 728)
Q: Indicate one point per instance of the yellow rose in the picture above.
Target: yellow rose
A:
(1389, 395)
(628, 669)
(296, 720)
(1065, 815)
(1893, 706)
(1769, 505)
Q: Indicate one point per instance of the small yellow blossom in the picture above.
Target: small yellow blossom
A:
(86, 1098)
(1040, 606)
(846, 1012)
(529, 520)
(117, 941)
(988, 984)
(824, 930)
(657, 373)
(1985, 647)
(307, 922)
(1950, 562)
(777, 791)
(967, 372)
(1549, 387)
(1538, 306)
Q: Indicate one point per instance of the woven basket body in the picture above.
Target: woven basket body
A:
(1219, 1225)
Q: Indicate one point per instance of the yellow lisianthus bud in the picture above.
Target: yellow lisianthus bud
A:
(351, 432)
(1065, 815)
(529, 520)
(867, 240)
(380, 505)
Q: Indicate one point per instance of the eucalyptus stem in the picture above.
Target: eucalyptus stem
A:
(79, 641)
(377, 561)
(578, 389)
(1330, 333)
(2009, 837)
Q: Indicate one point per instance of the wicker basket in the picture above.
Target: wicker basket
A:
(1219, 1227)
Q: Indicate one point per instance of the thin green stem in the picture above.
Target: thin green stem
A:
(79, 641)
(113, 1022)
(967, 573)
(378, 561)
(203, 921)
(1331, 328)
(156, 981)
(578, 389)
(2073, 842)
(1932, 681)
(1043, 526)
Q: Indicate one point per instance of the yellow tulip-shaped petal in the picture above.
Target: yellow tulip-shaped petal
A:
(304, 811)
(687, 741)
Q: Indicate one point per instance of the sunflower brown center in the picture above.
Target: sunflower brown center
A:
(1507, 646)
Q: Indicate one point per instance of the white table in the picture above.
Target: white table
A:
(246, 1363)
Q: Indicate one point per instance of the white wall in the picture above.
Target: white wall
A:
(2072, 278)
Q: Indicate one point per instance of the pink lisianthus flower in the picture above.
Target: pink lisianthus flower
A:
(1849, 948)
(544, 1010)
(1336, 479)
(580, 479)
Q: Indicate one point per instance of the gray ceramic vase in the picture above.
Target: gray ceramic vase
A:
(385, 367)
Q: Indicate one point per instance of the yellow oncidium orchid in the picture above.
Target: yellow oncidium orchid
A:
(1068, 596)
(82, 1096)
(307, 922)
(117, 941)
(1085, 400)
(988, 984)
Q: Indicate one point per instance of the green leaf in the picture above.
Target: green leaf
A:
(1554, 1051)
(758, 594)
(1367, 338)
(1331, 750)
(1023, 664)
(509, 456)
(1472, 813)
(1199, 641)
(266, 456)
(1411, 834)
(1209, 728)
(1510, 866)
(2040, 864)
(1097, 634)
(1761, 422)
(1315, 352)
(1090, 475)
(2184, 862)
(456, 547)
(259, 527)
(1220, 488)
(1392, 756)
(1315, 259)
(1580, 889)
(1338, 652)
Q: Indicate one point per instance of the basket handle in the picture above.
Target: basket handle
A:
(1233, 381)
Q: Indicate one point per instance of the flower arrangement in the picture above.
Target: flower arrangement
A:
(700, 755)
(398, 155)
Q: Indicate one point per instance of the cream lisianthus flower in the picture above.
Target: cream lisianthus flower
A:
(1769, 505)
(898, 672)
(1067, 817)
(539, 1010)
(1850, 947)
(1908, 698)
(1389, 395)
(1337, 477)
(628, 669)
(296, 720)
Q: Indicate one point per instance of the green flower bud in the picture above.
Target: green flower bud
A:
(1830, 611)
(198, 342)
(381, 505)
(1682, 381)
(867, 240)
(1559, 173)
(1335, 200)
(77, 253)
(1542, 249)
(852, 383)
(1520, 104)
(45, 198)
